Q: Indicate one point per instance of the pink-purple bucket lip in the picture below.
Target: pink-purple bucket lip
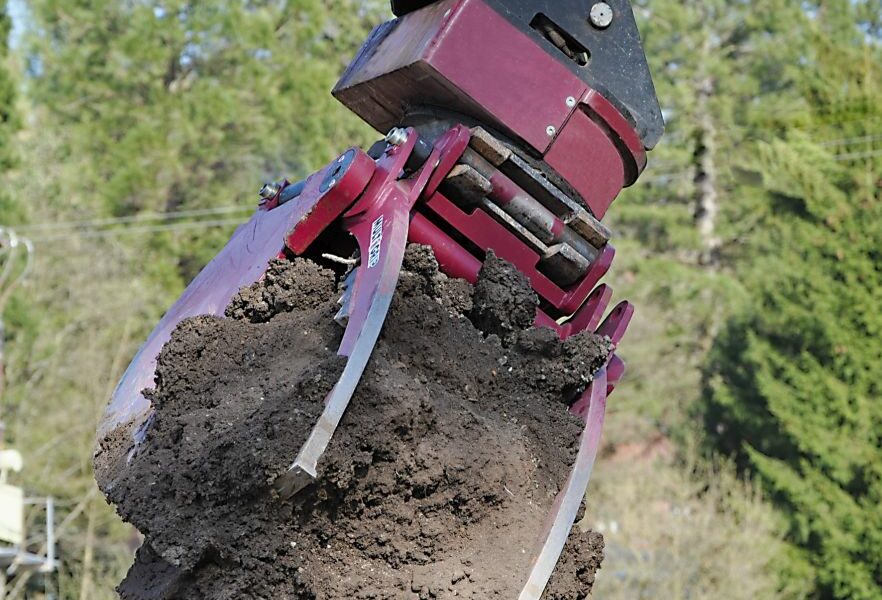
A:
(240, 263)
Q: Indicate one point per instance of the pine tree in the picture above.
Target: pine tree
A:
(794, 390)
(168, 106)
(725, 78)
(8, 120)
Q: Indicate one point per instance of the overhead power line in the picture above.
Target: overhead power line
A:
(139, 218)
(859, 155)
(126, 231)
(855, 140)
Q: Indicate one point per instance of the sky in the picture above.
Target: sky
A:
(18, 12)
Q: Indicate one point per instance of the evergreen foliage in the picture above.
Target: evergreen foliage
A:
(8, 120)
(187, 105)
(794, 377)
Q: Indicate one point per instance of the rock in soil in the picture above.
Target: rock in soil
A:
(436, 485)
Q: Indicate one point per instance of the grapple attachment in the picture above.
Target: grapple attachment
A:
(513, 130)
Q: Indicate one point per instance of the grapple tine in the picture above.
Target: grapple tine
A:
(391, 251)
(617, 322)
(566, 507)
(380, 221)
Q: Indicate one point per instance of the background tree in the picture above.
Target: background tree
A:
(9, 121)
(794, 391)
(9, 124)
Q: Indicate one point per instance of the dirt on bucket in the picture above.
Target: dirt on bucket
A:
(436, 485)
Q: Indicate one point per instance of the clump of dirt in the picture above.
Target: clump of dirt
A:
(436, 485)
(504, 303)
(287, 286)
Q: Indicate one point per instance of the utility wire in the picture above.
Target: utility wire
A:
(124, 231)
(856, 140)
(172, 215)
(858, 155)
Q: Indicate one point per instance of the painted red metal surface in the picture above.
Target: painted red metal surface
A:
(486, 233)
(348, 177)
(454, 260)
(513, 199)
(603, 111)
(616, 371)
(489, 60)
(466, 57)
(589, 160)
(242, 262)
(386, 194)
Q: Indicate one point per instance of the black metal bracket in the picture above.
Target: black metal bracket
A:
(402, 7)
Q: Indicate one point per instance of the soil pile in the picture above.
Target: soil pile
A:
(436, 485)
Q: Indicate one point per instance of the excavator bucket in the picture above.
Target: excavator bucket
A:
(241, 262)
(514, 126)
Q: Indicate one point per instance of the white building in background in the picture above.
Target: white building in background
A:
(23, 553)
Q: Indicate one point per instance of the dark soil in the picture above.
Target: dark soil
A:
(503, 301)
(436, 485)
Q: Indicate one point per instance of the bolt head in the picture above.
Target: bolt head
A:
(551, 130)
(571, 102)
(269, 190)
(396, 136)
(601, 15)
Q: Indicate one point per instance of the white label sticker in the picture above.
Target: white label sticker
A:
(376, 242)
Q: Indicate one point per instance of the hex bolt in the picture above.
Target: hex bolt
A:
(601, 15)
(396, 136)
(551, 130)
(269, 190)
